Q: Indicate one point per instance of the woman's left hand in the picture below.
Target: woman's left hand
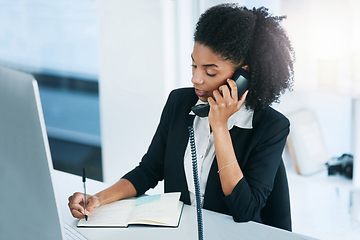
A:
(223, 104)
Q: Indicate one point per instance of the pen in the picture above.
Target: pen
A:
(84, 182)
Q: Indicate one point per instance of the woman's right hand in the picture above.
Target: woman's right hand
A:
(77, 204)
(120, 190)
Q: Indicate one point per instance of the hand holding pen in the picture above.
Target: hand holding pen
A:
(82, 205)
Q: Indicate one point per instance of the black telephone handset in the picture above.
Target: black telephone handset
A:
(241, 78)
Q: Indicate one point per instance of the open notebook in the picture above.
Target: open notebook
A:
(157, 210)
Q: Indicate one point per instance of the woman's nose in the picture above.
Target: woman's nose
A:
(197, 78)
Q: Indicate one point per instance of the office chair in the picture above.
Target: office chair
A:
(276, 212)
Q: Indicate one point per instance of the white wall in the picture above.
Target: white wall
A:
(131, 81)
(355, 140)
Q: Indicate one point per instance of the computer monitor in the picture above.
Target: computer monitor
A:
(28, 208)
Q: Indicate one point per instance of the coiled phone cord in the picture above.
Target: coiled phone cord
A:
(196, 183)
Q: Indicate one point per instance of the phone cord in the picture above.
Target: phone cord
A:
(196, 183)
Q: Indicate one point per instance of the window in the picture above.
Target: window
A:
(56, 41)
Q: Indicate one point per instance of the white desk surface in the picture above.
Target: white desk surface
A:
(216, 226)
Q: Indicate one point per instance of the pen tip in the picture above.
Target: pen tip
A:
(86, 217)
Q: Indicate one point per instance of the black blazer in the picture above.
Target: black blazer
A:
(258, 151)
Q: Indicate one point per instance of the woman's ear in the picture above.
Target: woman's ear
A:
(246, 67)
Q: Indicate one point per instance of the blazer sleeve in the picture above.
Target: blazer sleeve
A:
(250, 194)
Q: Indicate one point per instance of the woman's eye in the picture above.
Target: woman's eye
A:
(210, 75)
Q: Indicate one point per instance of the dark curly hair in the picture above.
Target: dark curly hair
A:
(255, 38)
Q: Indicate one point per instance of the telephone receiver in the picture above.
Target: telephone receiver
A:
(241, 78)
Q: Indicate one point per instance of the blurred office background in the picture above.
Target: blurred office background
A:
(105, 69)
(57, 41)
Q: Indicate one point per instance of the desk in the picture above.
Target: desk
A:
(216, 226)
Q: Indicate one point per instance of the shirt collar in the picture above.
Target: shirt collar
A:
(241, 119)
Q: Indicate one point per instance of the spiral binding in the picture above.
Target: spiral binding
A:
(196, 183)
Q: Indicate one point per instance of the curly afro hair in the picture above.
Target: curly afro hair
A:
(255, 38)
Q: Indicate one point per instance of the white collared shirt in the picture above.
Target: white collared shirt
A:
(205, 149)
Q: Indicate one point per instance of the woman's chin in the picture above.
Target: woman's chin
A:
(203, 99)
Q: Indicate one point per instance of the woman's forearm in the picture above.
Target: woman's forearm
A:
(229, 169)
(120, 190)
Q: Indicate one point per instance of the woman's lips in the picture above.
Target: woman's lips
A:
(200, 93)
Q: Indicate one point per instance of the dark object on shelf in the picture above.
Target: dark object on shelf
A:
(342, 165)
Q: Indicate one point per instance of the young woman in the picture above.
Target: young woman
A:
(240, 143)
